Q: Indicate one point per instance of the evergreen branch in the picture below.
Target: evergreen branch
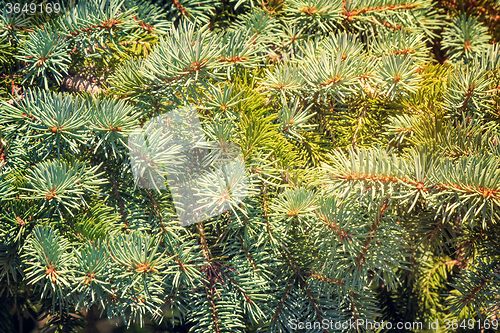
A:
(117, 196)
(468, 94)
(335, 242)
(283, 299)
(353, 307)
(432, 234)
(313, 302)
(266, 216)
(360, 121)
(471, 284)
(323, 278)
(239, 288)
(464, 38)
(210, 297)
(203, 242)
(157, 212)
(45, 52)
(373, 227)
(251, 260)
(355, 12)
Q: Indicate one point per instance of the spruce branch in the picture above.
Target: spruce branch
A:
(465, 38)
(284, 81)
(293, 121)
(305, 226)
(397, 76)
(314, 15)
(468, 90)
(49, 264)
(91, 25)
(469, 297)
(111, 122)
(59, 185)
(45, 52)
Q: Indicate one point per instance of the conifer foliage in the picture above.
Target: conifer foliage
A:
(369, 134)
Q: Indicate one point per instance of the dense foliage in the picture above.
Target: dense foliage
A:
(369, 133)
